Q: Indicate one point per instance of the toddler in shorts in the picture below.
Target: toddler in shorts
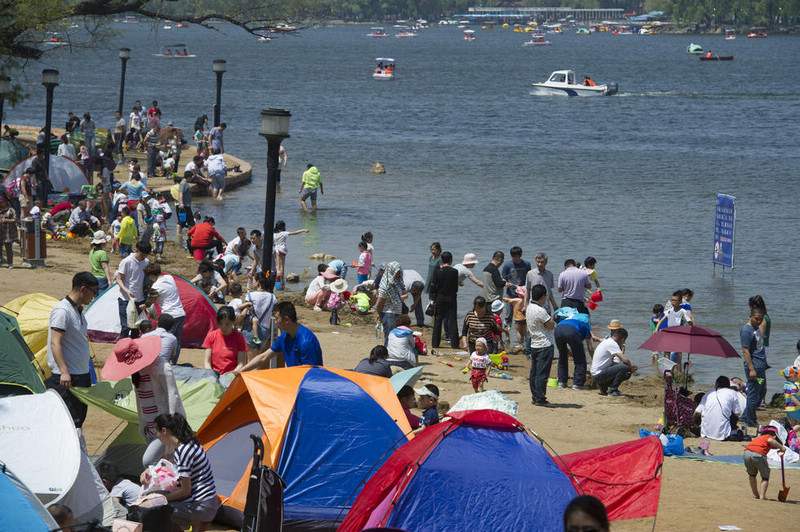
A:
(479, 361)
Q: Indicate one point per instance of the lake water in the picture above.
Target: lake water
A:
(477, 163)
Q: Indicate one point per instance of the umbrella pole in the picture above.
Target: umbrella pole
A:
(685, 370)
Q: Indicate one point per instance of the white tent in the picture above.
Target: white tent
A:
(38, 441)
(64, 173)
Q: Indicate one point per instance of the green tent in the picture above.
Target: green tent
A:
(17, 374)
(11, 152)
(118, 398)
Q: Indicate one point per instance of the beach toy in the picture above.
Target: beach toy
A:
(499, 375)
(591, 305)
(552, 383)
(445, 363)
(597, 297)
(279, 286)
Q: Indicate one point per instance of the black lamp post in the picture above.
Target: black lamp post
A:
(220, 66)
(5, 88)
(274, 128)
(124, 55)
(50, 81)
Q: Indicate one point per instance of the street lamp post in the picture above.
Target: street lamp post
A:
(50, 81)
(124, 55)
(220, 66)
(274, 128)
(5, 88)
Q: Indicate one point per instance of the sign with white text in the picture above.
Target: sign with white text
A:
(724, 229)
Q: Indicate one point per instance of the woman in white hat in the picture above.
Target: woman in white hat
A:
(98, 259)
(319, 290)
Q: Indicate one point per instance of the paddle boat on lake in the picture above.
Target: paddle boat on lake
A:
(178, 51)
(730, 35)
(469, 35)
(537, 40)
(757, 33)
(562, 83)
(385, 69)
(405, 32)
(694, 49)
(378, 31)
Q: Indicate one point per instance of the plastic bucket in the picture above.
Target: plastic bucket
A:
(182, 217)
(597, 297)
(552, 383)
(592, 305)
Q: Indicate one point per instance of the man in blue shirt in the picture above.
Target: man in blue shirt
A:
(570, 335)
(514, 272)
(755, 364)
(297, 343)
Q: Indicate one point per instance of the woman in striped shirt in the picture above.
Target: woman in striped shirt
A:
(195, 501)
(479, 323)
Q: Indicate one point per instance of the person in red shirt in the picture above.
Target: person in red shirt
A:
(204, 236)
(225, 347)
(408, 401)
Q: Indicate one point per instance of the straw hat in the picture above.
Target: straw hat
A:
(469, 258)
(614, 325)
(339, 286)
(100, 237)
(131, 355)
(330, 274)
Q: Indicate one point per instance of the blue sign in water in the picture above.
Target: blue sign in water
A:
(724, 229)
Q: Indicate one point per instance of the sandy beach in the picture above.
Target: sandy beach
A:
(695, 495)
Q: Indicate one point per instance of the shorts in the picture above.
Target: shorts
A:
(312, 192)
(477, 376)
(756, 463)
(188, 510)
(24, 202)
(159, 248)
(218, 181)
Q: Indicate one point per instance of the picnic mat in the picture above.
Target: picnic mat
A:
(734, 459)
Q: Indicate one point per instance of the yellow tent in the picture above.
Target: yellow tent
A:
(33, 316)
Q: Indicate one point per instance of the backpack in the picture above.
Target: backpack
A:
(12, 188)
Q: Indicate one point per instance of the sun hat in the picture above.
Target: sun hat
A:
(769, 429)
(497, 306)
(614, 325)
(330, 274)
(470, 258)
(481, 341)
(131, 355)
(160, 218)
(100, 237)
(789, 371)
(521, 291)
(426, 391)
(339, 286)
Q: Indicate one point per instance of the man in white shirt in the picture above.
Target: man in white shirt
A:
(130, 279)
(170, 302)
(606, 372)
(540, 329)
(718, 411)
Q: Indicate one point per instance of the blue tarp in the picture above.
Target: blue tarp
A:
(326, 472)
(520, 467)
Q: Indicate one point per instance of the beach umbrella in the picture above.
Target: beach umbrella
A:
(167, 133)
(690, 339)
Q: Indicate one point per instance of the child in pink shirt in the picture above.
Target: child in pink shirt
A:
(364, 262)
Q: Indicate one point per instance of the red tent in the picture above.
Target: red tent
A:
(626, 476)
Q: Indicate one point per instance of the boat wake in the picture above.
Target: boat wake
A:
(715, 96)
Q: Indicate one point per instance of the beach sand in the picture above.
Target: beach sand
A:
(694, 495)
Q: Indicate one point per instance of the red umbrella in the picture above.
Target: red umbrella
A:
(691, 339)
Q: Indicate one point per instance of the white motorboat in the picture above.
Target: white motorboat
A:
(385, 69)
(537, 40)
(378, 31)
(562, 83)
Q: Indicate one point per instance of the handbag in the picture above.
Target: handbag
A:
(429, 309)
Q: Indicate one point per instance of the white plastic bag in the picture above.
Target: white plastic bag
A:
(163, 478)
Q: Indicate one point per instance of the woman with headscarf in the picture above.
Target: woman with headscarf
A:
(390, 298)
